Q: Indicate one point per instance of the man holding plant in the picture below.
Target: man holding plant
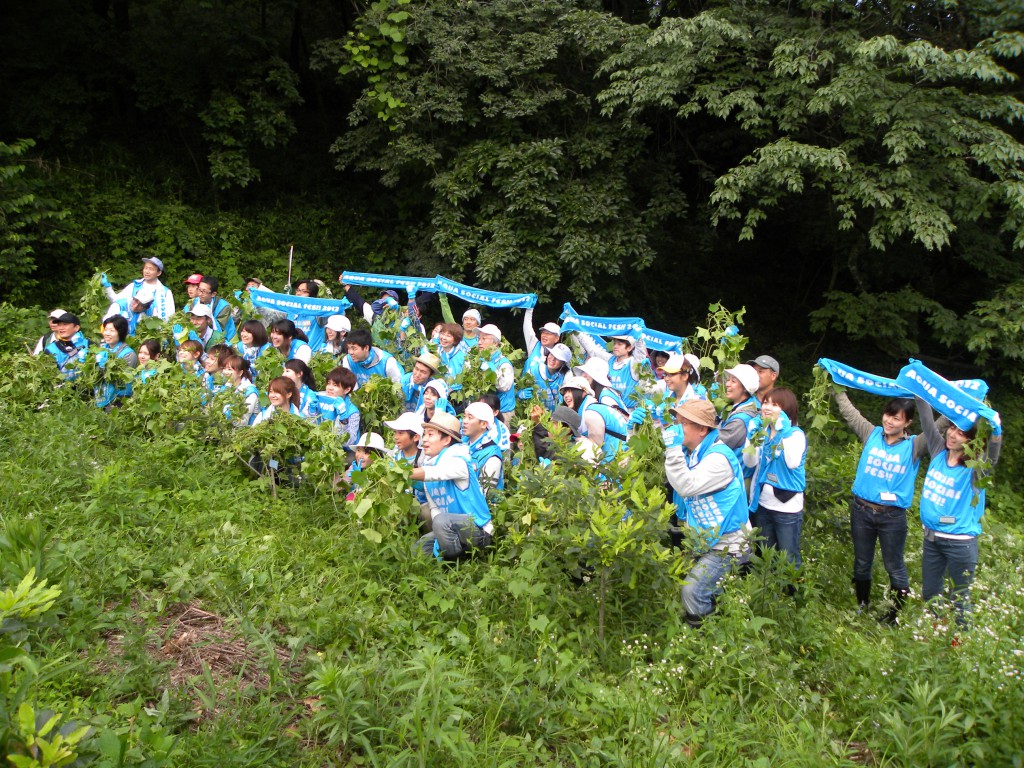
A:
(460, 517)
(708, 481)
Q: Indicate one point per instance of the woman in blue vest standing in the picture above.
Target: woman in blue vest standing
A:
(883, 490)
(951, 509)
(777, 498)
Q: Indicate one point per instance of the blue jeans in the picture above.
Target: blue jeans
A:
(887, 526)
(454, 535)
(781, 530)
(954, 558)
(703, 582)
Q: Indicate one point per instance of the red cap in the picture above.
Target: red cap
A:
(195, 279)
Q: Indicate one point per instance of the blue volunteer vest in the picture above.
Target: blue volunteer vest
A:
(723, 511)
(548, 385)
(417, 485)
(888, 469)
(614, 427)
(375, 364)
(68, 353)
(308, 325)
(507, 399)
(295, 346)
(747, 416)
(948, 494)
(309, 403)
(412, 394)
(773, 470)
(448, 498)
(483, 450)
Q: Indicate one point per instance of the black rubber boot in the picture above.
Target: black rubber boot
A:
(899, 599)
(863, 589)
(694, 620)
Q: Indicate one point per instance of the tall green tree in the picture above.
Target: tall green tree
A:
(490, 111)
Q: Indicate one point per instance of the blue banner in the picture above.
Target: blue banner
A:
(850, 377)
(494, 299)
(410, 285)
(601, 326)
(299, 305)
(662, 342)
(946, 398)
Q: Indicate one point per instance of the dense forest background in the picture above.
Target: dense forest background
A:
(852, 173)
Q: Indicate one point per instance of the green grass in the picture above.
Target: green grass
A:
(356, 653)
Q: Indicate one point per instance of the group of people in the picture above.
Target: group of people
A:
(734, 471)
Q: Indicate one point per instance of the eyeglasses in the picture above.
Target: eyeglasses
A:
(205, 292)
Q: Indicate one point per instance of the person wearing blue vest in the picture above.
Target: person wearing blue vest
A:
(133, 308)
(310, 325)
(477, 422)
(883, 490)
(207, 330)
(470, 329)
(538, 347)
(489, 341)
(460, 518)
(708, 484)
(408, 429)
(627, 358)
(253, 342)
(309, 398)
(425, 368)
(337, 408)
(290, 341)
(951, 509)
(219, 307)
(238, 373)
(741, 382)
(680, 383)
(451, 352)
(548, 375)
(595, 371)
(777, 492)
(115, 330)
(335, 331)
(69, 346)
(191, 284)
(366, 360)
(152, 268)
(602, 425)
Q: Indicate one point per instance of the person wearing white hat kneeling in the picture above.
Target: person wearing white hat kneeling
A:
(460, 517)
(708, 484)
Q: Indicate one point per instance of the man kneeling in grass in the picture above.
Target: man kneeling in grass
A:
(708, 485)
(460, 517)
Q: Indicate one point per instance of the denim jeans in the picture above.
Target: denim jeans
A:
(955, 558)
(781, 530)
(703, 582)
(454, 535)
(889, 528)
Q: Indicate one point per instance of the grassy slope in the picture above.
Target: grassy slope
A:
(349, 652)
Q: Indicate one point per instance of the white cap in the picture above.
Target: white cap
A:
(472, 313)
(576, 382)
(407, 422)
(57, 313)
(145, 294)
(480, 411)
(201, 310)
(747, 376)
(595, 368)
(491, 330)
(554, 328)
(626, 338)
(561, 352)
(339, 323)
(694, 362)
(372, 441)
